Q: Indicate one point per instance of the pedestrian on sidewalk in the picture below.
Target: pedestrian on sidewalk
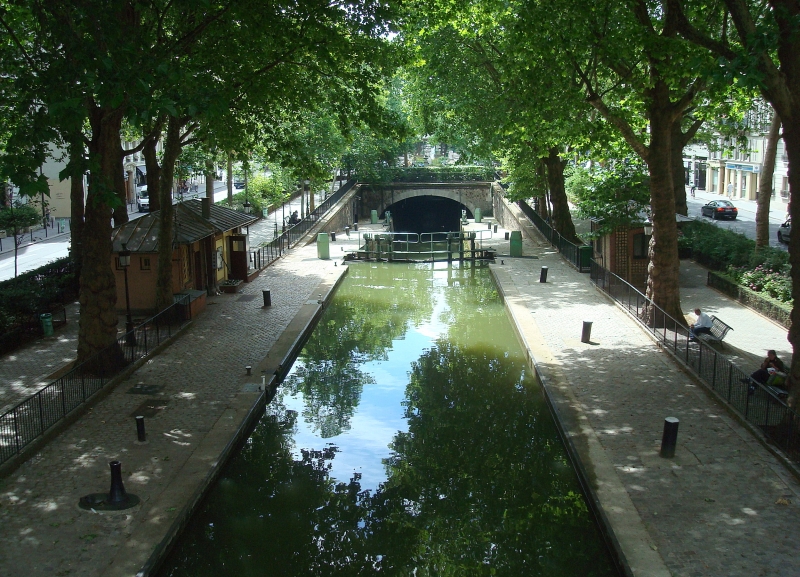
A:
(701, 325)
(693, 189)
(730, 190)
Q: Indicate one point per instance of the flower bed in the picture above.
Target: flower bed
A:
(230, 286)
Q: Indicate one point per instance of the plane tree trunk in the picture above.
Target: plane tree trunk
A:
(98, 292)
(765, 182)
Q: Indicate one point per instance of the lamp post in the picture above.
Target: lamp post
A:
(648, 228)
(124, 262)
(306, 184)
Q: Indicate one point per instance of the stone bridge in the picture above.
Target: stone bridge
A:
(470, 195)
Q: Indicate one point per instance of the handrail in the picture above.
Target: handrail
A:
(263, 256)
(577, 256)
(761, 408)
(32, 417)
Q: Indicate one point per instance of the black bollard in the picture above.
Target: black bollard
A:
(140, 436)
(490, 226)
(117, 494)
(586, 334)
(267, 298)
(347, 232)
(543, 274)
(333, 236)
(507, 233)
(495, 228)
(355, 226)
(670, 437)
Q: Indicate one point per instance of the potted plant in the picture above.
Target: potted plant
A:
(230, 285)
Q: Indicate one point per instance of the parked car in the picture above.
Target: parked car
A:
(238, 184)
(785, 231)
(719, 209)
(143, 200)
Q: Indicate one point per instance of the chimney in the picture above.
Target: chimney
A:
(205, 207)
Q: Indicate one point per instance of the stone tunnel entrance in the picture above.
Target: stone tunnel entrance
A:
(420, 214)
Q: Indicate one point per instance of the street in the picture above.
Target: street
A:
(745, 223)
(55, 246)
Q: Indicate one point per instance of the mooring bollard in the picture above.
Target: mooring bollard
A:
(586, 334)
(140, 436)
(543, 274)
(267, 298)
(670, 437)
(117, 494)
(248, 368)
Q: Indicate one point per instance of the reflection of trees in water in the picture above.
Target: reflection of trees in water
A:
(478, 485)
(480, 481)
(360, 328)
(470, 290)
(273, 515)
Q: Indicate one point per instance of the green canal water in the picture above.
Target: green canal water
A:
(410, 438)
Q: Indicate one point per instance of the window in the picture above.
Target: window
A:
(640, 243)
(144, 263)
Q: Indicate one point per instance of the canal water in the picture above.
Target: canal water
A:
(409, 438)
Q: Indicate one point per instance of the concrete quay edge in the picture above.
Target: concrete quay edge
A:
(219, 445)
(622, 525)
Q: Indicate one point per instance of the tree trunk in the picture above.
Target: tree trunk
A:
(121, 210)
(76, 200)
(172, 149)
(663, 278)
(210, 175)
(230, 179)
(153, 178)
(765, 182)
(791, 139)
(562, 219)
(678, 169)
(98, 292)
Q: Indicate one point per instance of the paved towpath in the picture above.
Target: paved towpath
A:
(724, 506)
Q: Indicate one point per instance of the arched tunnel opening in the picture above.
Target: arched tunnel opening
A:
(427, 214)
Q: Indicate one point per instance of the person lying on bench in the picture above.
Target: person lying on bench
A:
(700, 326)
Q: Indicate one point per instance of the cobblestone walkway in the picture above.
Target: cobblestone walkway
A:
(724, 506)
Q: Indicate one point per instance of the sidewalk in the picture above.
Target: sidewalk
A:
(723, 506)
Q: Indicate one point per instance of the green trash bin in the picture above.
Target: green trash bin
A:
(47, 324)
(516, 243)
(373, 217)
(323, 246)
(478, 215)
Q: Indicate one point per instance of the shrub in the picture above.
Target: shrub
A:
(718, 249)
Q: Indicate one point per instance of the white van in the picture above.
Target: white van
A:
(143, 200)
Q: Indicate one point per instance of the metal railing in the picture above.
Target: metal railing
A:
(761, 408)
(423, 247)
(35, 415)
(264, 255)
(579, 256)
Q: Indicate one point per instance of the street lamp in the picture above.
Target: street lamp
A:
(648, 228)
(125, 262)
(247, 207)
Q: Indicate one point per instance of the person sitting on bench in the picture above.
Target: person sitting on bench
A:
(700, 326)
(771, 365)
